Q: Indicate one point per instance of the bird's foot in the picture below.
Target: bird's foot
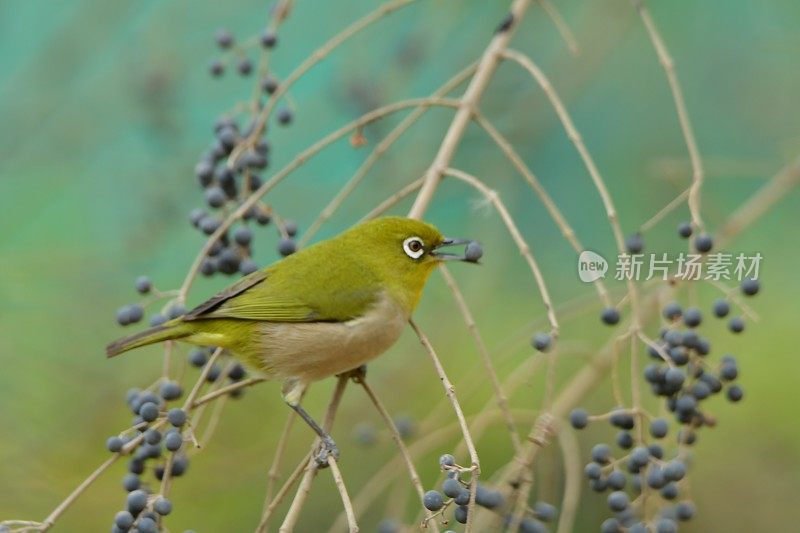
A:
(358, 375)
(327, 449)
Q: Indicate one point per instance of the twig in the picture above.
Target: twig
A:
(667, 209)
(281, 494)
(393, 199)
(451, 395)
(398, 440)
(376, 154)
(561, 26)
(769, 194)
(611, 212)
(524, 249)
(548, 202)
(317, 56)
(467, 104)
(348, 505)
(680, 107)
(290, 520)
(297, 162)
(571, 458)
(500, 397)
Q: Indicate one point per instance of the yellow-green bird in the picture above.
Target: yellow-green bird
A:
(325, 310)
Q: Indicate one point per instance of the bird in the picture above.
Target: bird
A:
(323, 311)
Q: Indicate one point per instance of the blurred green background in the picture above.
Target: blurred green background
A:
(105, 107)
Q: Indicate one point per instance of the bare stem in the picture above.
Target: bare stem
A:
(680, 107)
(450, 392)
(467, 104)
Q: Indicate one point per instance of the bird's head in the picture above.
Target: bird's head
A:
(404, 252)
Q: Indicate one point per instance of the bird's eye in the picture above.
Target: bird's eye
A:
(413, 247)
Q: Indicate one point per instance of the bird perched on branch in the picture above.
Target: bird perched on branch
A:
(325, 310)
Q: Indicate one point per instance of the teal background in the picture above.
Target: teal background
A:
(105, 107)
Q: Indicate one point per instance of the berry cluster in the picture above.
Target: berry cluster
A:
(228, 170)
(651, 463)
(155, 443)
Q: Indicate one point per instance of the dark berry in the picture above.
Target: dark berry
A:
(736, 324)
(692, 317)
(579, 418)
(601, 453)
(734, 393)
(269, 85)
(137, 501)
(672, 311)
(114, 444)
(287, 247)
(541, 341)
(243, 236)
(131, 482)
(610, 316)
(460, 514)
(224, 39)
(452, 487)
(685, 230)
(269, 39)
(123, 520)
(143, 284)
(750, 286)
(162, 506)
(216, 68)
(544, 511)
(721, 308)
(618, 501)
(624, 440)
(176, 416)
(285, 117)
(703, 243)
(148, 411)
(659, 428)
(433, 500)
(634, 243)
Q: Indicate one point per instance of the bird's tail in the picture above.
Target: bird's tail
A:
(175, 329)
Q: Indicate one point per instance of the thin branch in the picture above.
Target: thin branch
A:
(500, 397)
(664, 211)
(348, 505)
(297, 162)
(317, 56)
(293, 515)
(328, 211)
(450, 392)
(548, 202)
(468, 103)
(757, 205)
(398, 439)
(561, 26)
(611, 212)
(571, 458)
(680, 107)
(394, 199)
(524, 249)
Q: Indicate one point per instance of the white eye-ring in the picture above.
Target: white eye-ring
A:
(414, 247)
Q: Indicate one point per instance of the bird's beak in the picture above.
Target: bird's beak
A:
(471, 254)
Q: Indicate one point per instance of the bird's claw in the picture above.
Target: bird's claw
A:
(327, 449)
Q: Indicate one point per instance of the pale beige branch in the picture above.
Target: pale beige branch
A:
(524, 249)
(680, 107)
(467, 104)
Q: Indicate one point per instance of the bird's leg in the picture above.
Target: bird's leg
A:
(292, 391)
(358, 375)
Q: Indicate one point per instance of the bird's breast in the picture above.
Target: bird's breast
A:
(316, 350)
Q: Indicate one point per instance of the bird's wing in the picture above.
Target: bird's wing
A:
(287, 295)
